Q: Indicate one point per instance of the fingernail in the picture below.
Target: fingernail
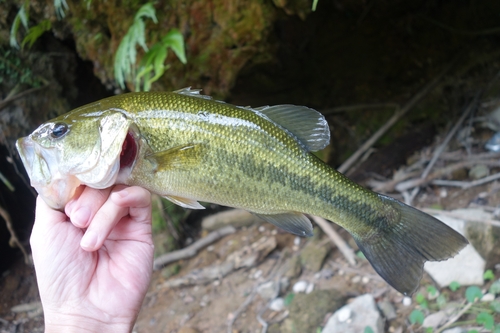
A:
(81, 216)
(89, 240)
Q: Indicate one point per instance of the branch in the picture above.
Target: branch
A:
(192, 249)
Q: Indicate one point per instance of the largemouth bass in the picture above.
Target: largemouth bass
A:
(188, 148)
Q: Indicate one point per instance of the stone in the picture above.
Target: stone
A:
(435, 319)
(313, 255)
(466, 268)
(483, 236)
(300, 286)
(186, 329)
(456, 330)
(267, 290)
(294, 268)
(387, 309)
(307, 311)
(479, 171)
(364, 313)
(277, 304)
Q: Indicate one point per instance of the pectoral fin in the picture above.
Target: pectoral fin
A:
(294, 223)
(181, 157)
(184, 202)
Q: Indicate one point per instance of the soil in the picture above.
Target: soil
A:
(371, 65)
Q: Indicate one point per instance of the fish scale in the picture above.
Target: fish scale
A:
(192, 148)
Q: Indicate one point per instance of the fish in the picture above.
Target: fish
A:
(190, 148)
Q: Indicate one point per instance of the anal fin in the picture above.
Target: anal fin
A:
(294, 223)
(184, 202)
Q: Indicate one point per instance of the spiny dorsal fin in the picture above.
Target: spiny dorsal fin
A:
(192, 92)
(308, 125)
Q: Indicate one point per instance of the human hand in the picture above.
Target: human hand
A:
(95, 279)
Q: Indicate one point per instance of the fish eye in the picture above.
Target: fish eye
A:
(59, 130)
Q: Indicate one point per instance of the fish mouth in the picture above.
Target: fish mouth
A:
(55, 189)
(58, 187)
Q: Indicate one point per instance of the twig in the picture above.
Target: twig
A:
(354, 270)
(411, 183)
(452, 132)
(192, 249)
(455, 318)
(14, 241)
(336, 239)
(460, 216)
(341, 109)
(10, 99)
(250, 297)
(397, 115)
(467, 185)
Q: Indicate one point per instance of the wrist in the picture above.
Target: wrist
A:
(80, 324)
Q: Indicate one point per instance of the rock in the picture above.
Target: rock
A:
(488, 298)
(456, 330)
(344, 314)
(307, 311)
(300, 286)
(363, 313)
(310, 288)
(387, 309)
(267, 290)
(277, 304)
(483, 237)
(313, 255)
(435, 319)
(235, 217)
(466, 268)
(406, 301)
(294, 268)
(479, 171)
(187, 330)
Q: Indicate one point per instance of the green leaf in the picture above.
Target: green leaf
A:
(175, 41)
(441, 301)
(497, 329)
(472, 293)
(126, 54)
(420, 299)
(485, 319)
(495, 305)
(288, 299)
(472, 331)
(314, 5)
(35, 32)
(495, 287)
(417, 316)
(432, 290)
(488, 275)
(454, 286)
(20, 18)
(60, 6)
(368, 329)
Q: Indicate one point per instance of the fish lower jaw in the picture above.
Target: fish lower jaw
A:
(59, 192)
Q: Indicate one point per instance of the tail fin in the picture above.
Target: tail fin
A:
(398, 251)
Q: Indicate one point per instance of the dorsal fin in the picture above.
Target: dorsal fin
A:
(307, 124)
(192, 92)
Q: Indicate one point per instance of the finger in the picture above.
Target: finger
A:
(87, 205)
(101, 225)
(45, 219)
(137, 199)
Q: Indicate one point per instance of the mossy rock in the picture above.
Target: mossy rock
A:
(307, 311)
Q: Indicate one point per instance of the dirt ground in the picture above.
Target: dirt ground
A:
(211, 306)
